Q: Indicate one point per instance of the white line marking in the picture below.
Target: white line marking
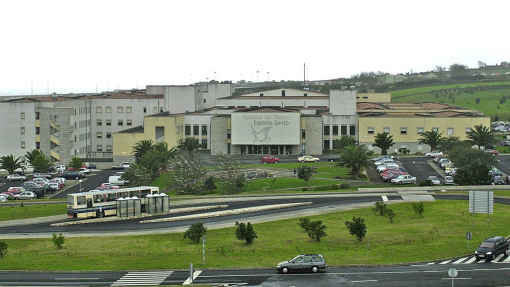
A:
(507, 259)
(482, 261)
(359, 281)
(470, 260)
(70, 279)
(384, 198)
(460, 260)
(195, 275)
(445, 262)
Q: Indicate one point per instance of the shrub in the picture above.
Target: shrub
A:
(245, 232)
(195, 232)
(316, 230)
(418, 208)
(380, 208)
(304, 223)
(345, 185)
(390, 214)
(3, 248)
(58, 240)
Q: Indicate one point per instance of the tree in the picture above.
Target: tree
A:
(31, 155)
(188, 175)
(76, 163)
(431, 138)
(195, 232)
(305, 173)
(419, 209)
(473, 165)
(245, 232)
(147, 168)
(231, 175)
(383, 141)
(344, 141)
(42, 163)
(58, 240)
(3, 248)
(355, 158)
(458, 70)
(189, 144)
(481, 136)
(304, 223)
(380, 208)
(209, 183)
(142, 147)
(357, 227)
(316, 230)
(10, 163)
(390, 214)
(446, 144)
(481, 64)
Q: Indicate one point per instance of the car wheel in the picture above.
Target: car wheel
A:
(315, 161)
(265, 162)
(315, 269)
(276, 162)
(412, 182)
(10, 179)
(99, 214)
(331, 160)
(77, 177)
(400, 182)
(285, 270)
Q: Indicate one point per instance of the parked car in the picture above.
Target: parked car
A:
(505, 143)
(39, 175)
(15, 189)
(12, 177)
(118, 166)
(491, 151)
(388, 165)
(38, 190)
(308, 158)
(494, 172)
(378, 158)
(84, 170)
(498, 179)
(434, 153)
(89, 165)
(449, 180)
(61, 179)
(451, 171)
(403, 179)
(270, 159)
(383, 161)
(434, 179)
(126, 165)
(305, 262)
(492, 247)
(25, 195)
(333, 158)
(72, 175)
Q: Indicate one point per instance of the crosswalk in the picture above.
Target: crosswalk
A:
(502, 258)
(142, 278)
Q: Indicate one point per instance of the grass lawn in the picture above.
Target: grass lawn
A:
(411, 238)
(30, 211)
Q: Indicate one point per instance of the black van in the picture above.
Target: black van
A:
(38, 190)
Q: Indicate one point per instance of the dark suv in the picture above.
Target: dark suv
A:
(492, 247)
(305, 262)
(270, 159)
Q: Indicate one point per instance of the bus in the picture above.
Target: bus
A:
(100, 203)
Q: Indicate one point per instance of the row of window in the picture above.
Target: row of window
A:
(119, 122)
(187, 130)
(129, 110)
(419, 130)
(343, 130)
(99, 148)
(100, 135)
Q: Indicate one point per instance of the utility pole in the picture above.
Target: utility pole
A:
(304, 75)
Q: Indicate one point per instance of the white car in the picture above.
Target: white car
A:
(308, 158)
(61, 179)
(54, 185)
(25, 195)
(84, 170)
(389, 165)
(383, 161)
(434, 153)
(434, 179)
(12, 177)
(402, 179)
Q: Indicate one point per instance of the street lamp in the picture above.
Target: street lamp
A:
(257, 76)
(365, 140)
(268, 76)
(80, 184)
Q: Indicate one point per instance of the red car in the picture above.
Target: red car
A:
(270, 159)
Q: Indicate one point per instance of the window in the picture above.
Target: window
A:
(22, 130)
(204, 130)
(108, 148)
(228, 134)
(108, 122)
(80, 200)
(108, 135)
(204, 143)
(99, 135)
(120, 110)
(449, 131)
(420, 130)
(326, 130)
(343, 130)
(108, 110)
(403, 131)
(37, 115)
(22, 144)
(161, 108)
(326, 144)
(370, 131)
(335, 130)
(352, 130)
(386, 130)
(37, 130)
(129, 110)
(99, 122)
(99, 148)
(204, 101)
(129, 122)
(303, 134)
(187, 130)
(195, 129)
(120, 122)
(144, 110)
(154, 110)
(22, 115)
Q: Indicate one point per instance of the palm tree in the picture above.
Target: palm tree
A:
(189, 144)
(343, 141)
(481, 136)
(431, 138)
(355, 158)
(41, 163)
(10, 163)
(141, 147)
(384, 142)
(31, 155)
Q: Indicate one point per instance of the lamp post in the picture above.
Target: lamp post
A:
(365, 140)
(80, 184)
(257, 76)
(267, 76)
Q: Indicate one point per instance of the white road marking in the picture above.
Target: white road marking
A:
(470, 260)
(384, 198)
(460, 260)
(445, 262)
(142, 278)
(195, 275)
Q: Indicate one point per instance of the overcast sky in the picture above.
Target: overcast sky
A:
(80, 46)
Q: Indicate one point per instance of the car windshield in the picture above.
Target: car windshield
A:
(296, 258)
(487, 244)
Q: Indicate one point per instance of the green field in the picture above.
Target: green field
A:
(439, 234)
(14, 212)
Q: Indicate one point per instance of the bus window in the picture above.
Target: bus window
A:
(70, 200)
(80, 200)
(111, 197)
(123, 194)
(144, 192)
(99, 197)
